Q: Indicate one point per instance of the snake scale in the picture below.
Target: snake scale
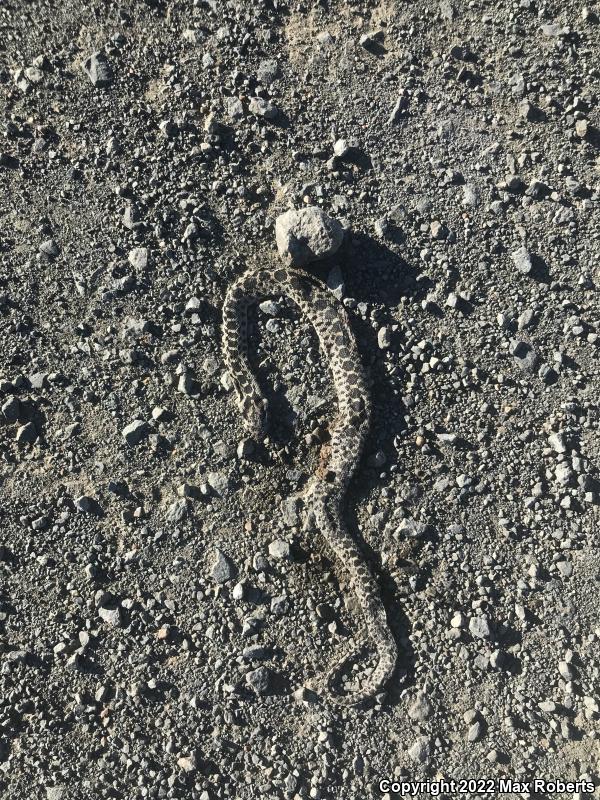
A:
(324, 495)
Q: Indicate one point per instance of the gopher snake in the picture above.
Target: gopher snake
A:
(323, 497)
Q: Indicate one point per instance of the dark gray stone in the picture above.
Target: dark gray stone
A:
(27, 434)
(135, 432)
(259, 680)
(98, 70)
(222, 569)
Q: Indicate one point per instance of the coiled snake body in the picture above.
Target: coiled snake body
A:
(324, 494)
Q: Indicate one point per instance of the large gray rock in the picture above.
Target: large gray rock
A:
(306, 235)
(178, 510)
(522, 260)
(263, 108)
(135, 432)
(480, 627)
(98, 70)
(112, 616)
(27, 434)
(259, 680)
(420, 750)
(222, 569)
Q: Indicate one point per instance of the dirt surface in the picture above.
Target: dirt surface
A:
(146, 150)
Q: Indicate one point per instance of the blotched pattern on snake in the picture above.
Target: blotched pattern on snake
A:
(325, 492)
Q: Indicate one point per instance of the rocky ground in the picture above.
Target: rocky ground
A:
(161, 610)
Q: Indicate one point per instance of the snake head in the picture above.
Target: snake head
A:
(255, 412)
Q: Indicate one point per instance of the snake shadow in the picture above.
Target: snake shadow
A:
(381, 277)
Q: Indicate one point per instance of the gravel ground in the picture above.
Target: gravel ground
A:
(161, 610)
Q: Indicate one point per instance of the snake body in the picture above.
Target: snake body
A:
(325, 492)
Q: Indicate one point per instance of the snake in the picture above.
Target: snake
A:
(323, 496)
